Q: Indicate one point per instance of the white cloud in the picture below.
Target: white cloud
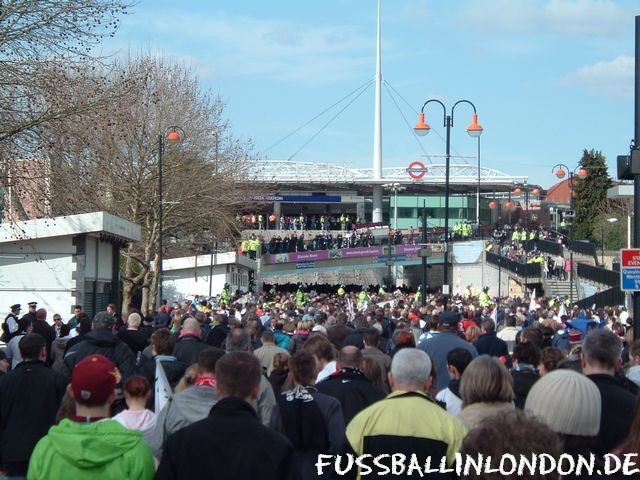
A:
(278, 49)
(575, 17)
(613, 78)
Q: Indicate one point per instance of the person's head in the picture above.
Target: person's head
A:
(41, 314)
(57, 319)
(190, 326)
(134, 320)
(634, 351)
(488, 325)
(33, 347)
(280, 362)
(550, 358)
(526, 354)
(136, 388)
(510, 321)
(516, 434)
(103, 321)
(567, 402)
(448, 321)
(64, 330)
(349, 357)
(15, 308)
(372, 370)
(77, 310)
(163, 342)
(303, 368)
(268, 338)
(472, 333)
(404, 339)
(410, 371)
(93, 381)
(111, 308)
(32, 307)
(532, 335)
(321, 348)
(4, 363)
(84, 323)
(371, 338)
(238, 340)
(25, 325)
(457, 361)
(601, 352)
(207, 360)
(486, 379)
(238, 375)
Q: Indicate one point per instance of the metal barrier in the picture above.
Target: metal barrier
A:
(546, 246)
(599, 275)
(584, 247)
(611, 297)
(522, 269)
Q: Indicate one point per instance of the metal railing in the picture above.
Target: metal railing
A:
(599, 275)
(612, 296)
(546, 246)
(533, 270)
(584, 247)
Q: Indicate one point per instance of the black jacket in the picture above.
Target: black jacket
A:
(102, 342)
(29, 399)
(617, 412)
(188, 348)
(237, 447)
(136, 339)
(523, 379)
(353, 390)
(489, 344)
(173, 369)
(43, 328)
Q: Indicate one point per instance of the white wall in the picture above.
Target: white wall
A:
(38, 271)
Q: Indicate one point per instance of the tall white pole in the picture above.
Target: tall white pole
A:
(377, 131)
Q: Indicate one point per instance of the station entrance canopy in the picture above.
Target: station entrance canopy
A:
(310, 176)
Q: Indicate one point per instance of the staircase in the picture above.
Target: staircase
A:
(560, 288)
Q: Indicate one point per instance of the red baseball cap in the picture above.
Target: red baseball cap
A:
(93, 379)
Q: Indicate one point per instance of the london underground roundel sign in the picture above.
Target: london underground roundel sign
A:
(416, 170)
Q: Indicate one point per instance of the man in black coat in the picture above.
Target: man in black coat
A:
(348, 384)
(601, 358)
(189, 342)
(29, 399)
(102, 341)
(488, 343)
(132, 336)
(43, 328)
(238, 446)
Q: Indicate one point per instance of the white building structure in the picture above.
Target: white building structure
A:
(63, 261)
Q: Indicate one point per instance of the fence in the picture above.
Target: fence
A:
(584, 247)
(599, 275)
(546, 246)
(612, 296)
(519, 268)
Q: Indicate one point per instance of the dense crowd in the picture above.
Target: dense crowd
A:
(275, 385)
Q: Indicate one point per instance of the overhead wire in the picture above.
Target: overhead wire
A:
(361, 87)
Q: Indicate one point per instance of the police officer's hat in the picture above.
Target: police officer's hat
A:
(16, 307)
(33, 304)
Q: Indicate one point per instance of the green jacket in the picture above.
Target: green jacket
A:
(104, 450)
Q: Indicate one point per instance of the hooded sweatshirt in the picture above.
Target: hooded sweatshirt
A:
(187, 407)
(104, 450)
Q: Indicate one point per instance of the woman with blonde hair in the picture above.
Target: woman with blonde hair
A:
(486, 389)
(472, 334)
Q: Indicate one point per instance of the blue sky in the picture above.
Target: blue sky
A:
(548, 77)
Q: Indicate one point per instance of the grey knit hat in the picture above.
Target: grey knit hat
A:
(567, 401)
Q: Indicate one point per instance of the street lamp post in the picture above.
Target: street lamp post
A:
(172, 134)
(474, 130)
(526, 189)
(560, 170)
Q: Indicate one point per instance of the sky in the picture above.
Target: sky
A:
(549, 78)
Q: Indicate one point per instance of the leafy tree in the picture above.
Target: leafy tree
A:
(589, 195)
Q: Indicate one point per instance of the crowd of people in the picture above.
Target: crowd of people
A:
(277, 385)
(259, 221)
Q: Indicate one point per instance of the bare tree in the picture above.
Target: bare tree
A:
(37, 34)
(108, 160)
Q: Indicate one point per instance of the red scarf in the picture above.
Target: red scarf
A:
(205, 382)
